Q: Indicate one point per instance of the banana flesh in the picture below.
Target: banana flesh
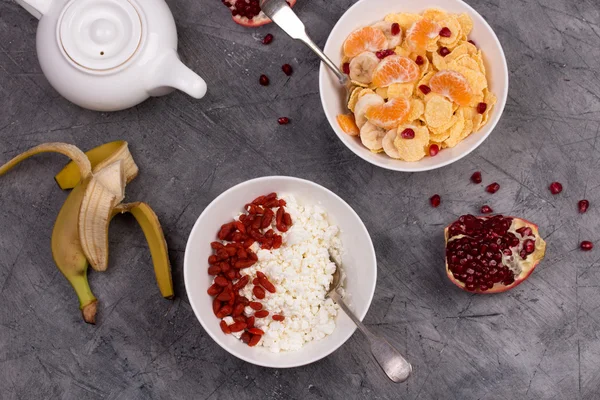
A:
(155, 237)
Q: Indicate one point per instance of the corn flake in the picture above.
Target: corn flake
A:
(412, 149)
(403, 90)
(438, 111)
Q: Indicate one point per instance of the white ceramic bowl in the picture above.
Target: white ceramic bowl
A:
(358, 261)
(367, 12)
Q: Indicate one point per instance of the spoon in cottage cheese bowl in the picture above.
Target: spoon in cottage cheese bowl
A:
(389, 359)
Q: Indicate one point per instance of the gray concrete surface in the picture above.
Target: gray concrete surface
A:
(539, 341)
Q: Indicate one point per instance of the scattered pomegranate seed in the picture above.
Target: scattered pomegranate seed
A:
(419, 60)
(435, 200)
(555, 188)
(476, 177)
(434, 149)
(481, 107)
(287, 69)
(583, 206)
(425, 89)
(408, 134)
(492, 188)
(473, 43)
(268, 38)
(384, 53)
(395, 28)
(443, 51)
(486, 210)
(586, 245)
(346, 68)
(445, 32)
(283, 121)
(264, 80)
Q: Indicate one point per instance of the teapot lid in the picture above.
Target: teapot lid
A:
(100, 34)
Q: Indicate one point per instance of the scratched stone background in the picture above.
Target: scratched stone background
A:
(538, 341)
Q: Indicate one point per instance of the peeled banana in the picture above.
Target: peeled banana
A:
(80, 234)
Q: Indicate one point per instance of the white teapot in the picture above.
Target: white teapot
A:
(108, 55)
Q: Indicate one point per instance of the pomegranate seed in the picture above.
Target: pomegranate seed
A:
(476, 177)
(434, 149)
(384, 53)
(586, 245)
(283, 121)
(425, 89)
(287, 69)
(435, 200)
(419, 60)
(486, 210)
(555, 188)
(481, 107)
(492, 188)
(445, 32)
(473, 43)
(346, 68)
(583, 206)
(408, 134)
(395, 28)
(443, 51)
(268, 38)
(264, 80)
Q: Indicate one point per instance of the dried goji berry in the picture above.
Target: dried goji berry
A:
(250, 322)
(256, 281)
(260, 200)
(240, 226)
(267, 218)
(277, 241)
(237, 326)
(264, 282)
(287, 219)
(261, 314)
(244, 264)
(279, 216)
(214, 270)
(225, 266)
(216, 306)
(254, 340)
(259, 292)
(231, 250)
(214, 290)
(224, 296)
(216, 245)
(252, 255)
(238, 310)
(240, 318)
(242, 300)
(225, 311)
(278, 317)
(270, 233)
(255, 305)
(241, 283)
(230, 274)
(213, 259)
(255, 331)
(226, 230)
(225, 328)
(221, 281)
(245, 337)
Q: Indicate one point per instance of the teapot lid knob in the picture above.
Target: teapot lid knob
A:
(100, 35)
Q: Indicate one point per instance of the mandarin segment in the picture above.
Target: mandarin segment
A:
(363, 104)
(364, 39)
(453, 85)
(347, 124)
(389, 115)
(422, 34)
(395, 69)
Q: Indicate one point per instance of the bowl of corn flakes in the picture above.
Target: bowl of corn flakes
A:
(428, 82)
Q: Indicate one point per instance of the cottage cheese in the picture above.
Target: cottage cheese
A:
(301, 272)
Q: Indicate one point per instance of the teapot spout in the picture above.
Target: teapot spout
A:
(37, 8)
(170, 73)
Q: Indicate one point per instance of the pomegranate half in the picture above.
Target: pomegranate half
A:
(492, 254)
(248, 12)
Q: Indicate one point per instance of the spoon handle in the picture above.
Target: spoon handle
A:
(282, 14)
(389, 359)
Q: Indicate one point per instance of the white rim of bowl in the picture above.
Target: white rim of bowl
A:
(195, 307)
(491, 124)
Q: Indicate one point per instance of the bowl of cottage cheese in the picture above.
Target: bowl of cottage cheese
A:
(295, 321)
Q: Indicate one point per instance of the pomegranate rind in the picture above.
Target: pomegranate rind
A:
(536, 257)
(260, 20)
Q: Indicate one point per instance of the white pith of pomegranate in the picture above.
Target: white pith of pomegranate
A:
(248, 13)
(492, 254)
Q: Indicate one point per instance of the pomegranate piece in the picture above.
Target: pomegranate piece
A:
(486, 210)
(492, 188)
(384, 53)
(283, 121)
(476, 177)
(395, 29)
(267, 39)
(434, 149)
(443, 51)
(481, 107)
(555, 188)
(491, 254)
(408, 134)
(264, 80)
(583, 206)
(287, 69)
(435, 200)
(445, 32)
(425, 89)
(346, 68)
(419, 60)
(586, 245)
(248, 13)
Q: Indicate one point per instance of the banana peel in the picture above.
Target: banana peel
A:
(80, 235)
(155, 237)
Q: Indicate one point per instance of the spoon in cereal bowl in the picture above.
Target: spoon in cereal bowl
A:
(282, 14)
(389, 359)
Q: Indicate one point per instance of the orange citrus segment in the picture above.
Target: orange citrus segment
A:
(420, 33)
(389, 115)
(395, 69)
(364, 39)
(346, 122)
(453, 85)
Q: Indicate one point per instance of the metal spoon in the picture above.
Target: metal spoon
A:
(389, 359)
(281, 13)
